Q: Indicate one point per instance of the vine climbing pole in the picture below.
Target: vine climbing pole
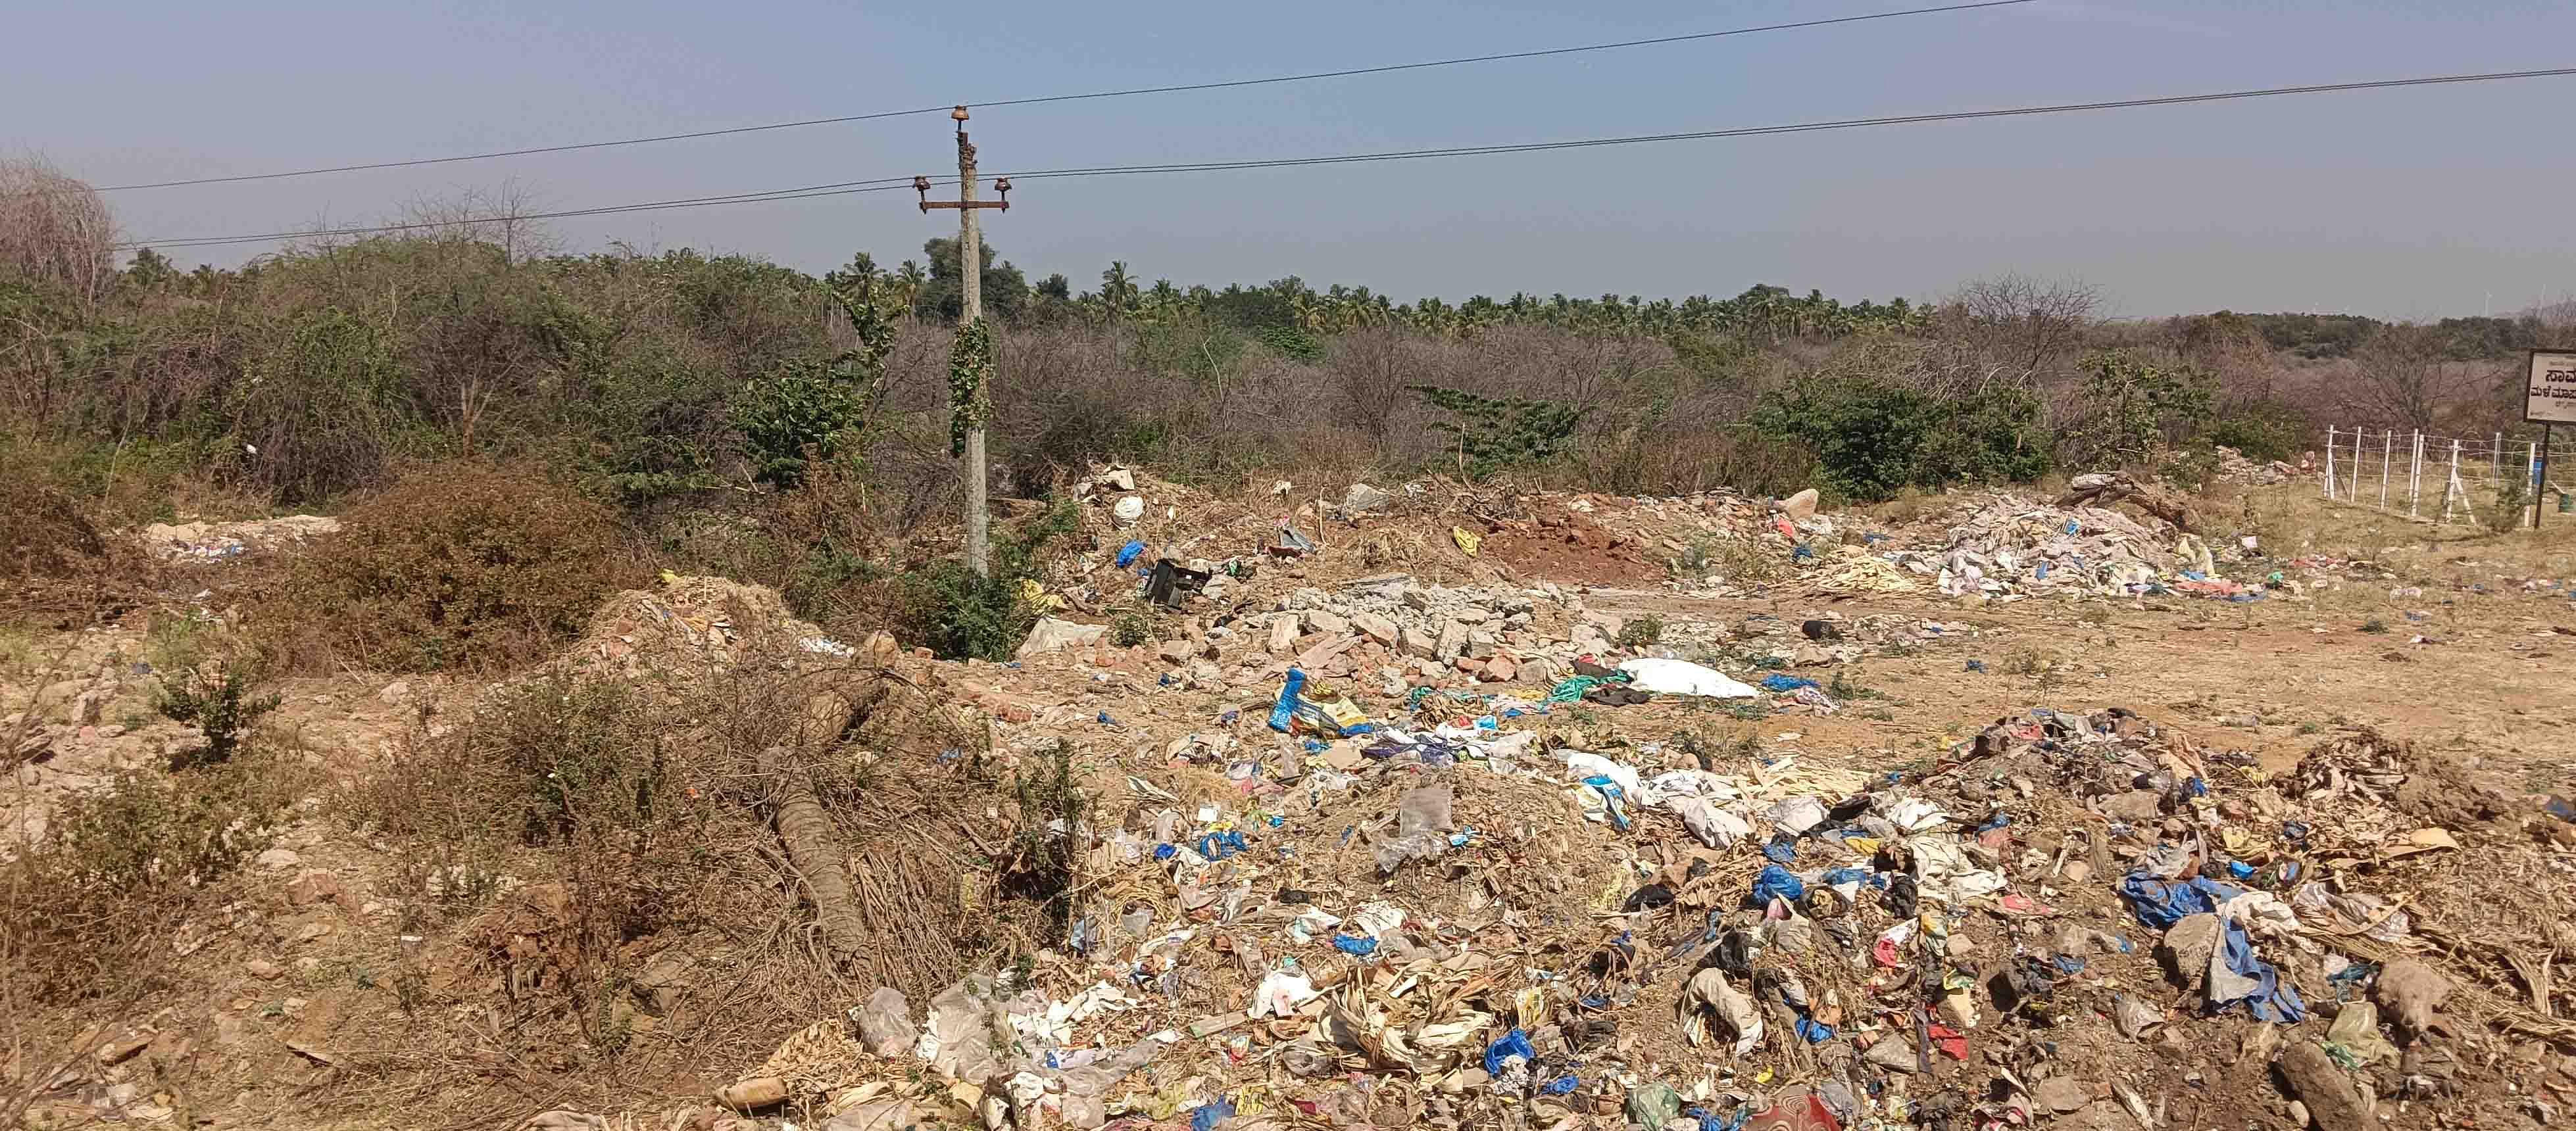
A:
(970, 360)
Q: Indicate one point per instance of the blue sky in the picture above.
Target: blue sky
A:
(2409, 203)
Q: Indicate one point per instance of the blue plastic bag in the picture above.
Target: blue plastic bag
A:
(1281, 715)
(1562, 1085)
(1209, 1115)
(1514, 1043)
(1359, 945)
(1785, 683)
(2162, 903)
(2272, 1000)
(1218, 846)
(1782, 848)
(1815, 1031)
(1128, 553)
(1777, 881)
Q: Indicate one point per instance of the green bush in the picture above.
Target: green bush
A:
(2262, 430)
(962, 616)
(1875, 437)
(1495, 433)
(217, 703)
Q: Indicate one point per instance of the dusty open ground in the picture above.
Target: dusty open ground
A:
(343, 980)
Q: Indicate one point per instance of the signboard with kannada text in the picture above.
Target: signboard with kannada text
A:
(2549, 391)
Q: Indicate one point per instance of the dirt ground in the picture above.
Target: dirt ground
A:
(2460, 646)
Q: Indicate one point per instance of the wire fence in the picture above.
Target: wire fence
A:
(2472, 480)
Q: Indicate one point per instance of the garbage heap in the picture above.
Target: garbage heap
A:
(2010, 546)
(1533, 922)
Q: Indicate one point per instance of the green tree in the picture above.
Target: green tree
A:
(1005, 288)
(2141, 405)
(1494, 433)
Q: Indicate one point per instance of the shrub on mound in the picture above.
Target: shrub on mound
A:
(459, 566)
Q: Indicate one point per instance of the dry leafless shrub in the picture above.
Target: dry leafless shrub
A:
(54, 229)
(461, 565)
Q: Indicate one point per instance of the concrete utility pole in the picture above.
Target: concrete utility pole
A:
(970, 266)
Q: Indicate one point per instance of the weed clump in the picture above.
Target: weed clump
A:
(43, 532)
(1639, 632)
(217, 702)
(474, 566)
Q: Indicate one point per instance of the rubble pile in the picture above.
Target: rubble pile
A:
(2235, 467)
(2007, 545)
(224, 541)
(1461, 922)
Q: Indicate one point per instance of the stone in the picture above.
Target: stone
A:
(1333, 624)
(277, 858)
(2329, 1095)
(1607, 624)
(1283, 634)
(312, 886)
(1801, 506)
(1416, 642)
(1501, 669)
(1542, 669)
(2077, 871)
(1176, 651)
(2136, 807)
(2411, 991)
(1469, 668)
(1376, 628)
(264, 969)
(2061, 1094)
(87, 706)
(1452, 641)
(1051, 634)
(394, 693)
(1470, 614)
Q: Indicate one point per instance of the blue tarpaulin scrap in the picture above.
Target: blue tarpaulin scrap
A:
(2162, 903)
(1360, 945)
(1861, 876)
(1786, 683)
(1782, 848)
(1514, 1043)
(1815, 1031)
(1777, 881)
(1209, 1115)
(2273, 1000)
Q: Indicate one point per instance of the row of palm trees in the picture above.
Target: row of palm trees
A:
(1763, 312)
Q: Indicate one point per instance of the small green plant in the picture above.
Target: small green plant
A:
(217, 703)
(2374, 626)
(1133, 628)
(1843, 688)
(1746, 709)
(1638, 632)
(1045, 865)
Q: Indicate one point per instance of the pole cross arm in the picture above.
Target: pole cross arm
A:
(1002, 185)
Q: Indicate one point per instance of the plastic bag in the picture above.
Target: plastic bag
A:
(1422, 823)
(885, 1023)
(1681, 677)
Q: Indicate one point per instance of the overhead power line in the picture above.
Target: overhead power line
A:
(885, 183)
(1125, 93)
